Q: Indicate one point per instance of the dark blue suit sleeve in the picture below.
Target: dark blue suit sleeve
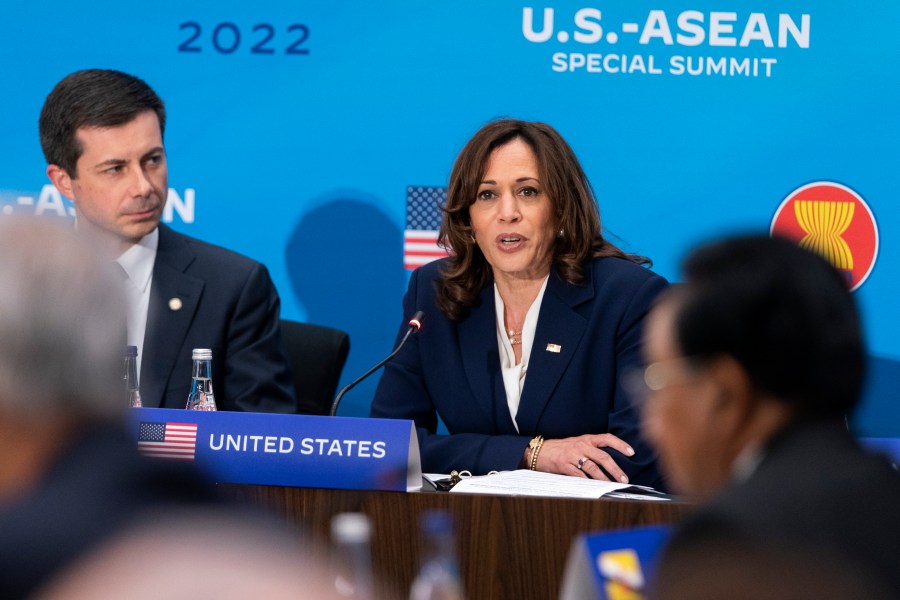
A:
(405, 392)
(256, 372)
(401, 392)
(624, 420)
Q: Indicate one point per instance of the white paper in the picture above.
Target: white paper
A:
(536, 483)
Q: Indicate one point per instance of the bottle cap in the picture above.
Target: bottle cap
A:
(130, 351)
(202, 354)
(349, 528)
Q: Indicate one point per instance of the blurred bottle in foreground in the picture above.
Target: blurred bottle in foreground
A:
(438, 578)
(351, 534)
(132, 389)
(201, 396)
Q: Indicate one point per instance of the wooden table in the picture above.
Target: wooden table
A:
(509, 547)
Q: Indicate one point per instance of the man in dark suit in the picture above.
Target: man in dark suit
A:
(102, 135)
(753, 365)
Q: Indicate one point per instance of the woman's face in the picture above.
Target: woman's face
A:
(512, 217)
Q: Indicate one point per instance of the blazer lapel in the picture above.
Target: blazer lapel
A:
(174, 297)
(481, 360)
(559, 332)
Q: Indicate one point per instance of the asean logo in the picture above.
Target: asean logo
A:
(834, 221)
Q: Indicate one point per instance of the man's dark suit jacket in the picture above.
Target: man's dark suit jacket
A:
(815, 492)
(203, 296)
(452, 370)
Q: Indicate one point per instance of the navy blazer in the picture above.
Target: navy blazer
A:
(204, 296)
(452, 370)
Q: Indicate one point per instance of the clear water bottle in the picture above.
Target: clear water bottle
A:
(438, 578)
(132, 389)
(201, 396)
(351, 534)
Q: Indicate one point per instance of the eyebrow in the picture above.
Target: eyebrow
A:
(116, 162)
(519, 180)
(152, 151)
(112, 162)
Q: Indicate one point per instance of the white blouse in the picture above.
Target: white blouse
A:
(514, 374)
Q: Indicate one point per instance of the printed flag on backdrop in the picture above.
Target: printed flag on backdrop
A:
(423, 220)
(177, 441)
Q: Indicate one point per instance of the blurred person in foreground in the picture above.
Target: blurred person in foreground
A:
(753, 365)
(102, 135)
(69, 476)
(529, 324)
(186, 556)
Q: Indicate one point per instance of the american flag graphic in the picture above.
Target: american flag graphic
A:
(177, 441)
(423, 220)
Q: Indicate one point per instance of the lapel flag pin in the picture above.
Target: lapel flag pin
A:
(176, 304)
(554, 348)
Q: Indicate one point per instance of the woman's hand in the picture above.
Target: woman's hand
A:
(582, 457)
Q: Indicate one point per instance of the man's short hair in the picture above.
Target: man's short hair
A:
(784, 313)
(91, 98)
(62, 324)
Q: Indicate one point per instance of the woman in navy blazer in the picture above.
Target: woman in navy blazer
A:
(530, 325)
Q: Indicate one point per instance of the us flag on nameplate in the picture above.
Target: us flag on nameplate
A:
(177, 441)
(423, 220)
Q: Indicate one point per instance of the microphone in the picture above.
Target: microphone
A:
(414, 325)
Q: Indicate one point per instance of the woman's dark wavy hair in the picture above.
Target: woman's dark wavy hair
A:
(563, 180)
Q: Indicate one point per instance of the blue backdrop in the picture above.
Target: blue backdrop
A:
(296, 128)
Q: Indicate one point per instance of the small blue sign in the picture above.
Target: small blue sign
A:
(613, 565)
(287, 450)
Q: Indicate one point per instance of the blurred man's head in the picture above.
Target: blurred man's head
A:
(197, 555)
(62, 328)
(761, 333)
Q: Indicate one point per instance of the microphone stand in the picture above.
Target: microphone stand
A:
(414, 325)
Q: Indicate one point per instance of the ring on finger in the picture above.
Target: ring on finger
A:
(581, 462)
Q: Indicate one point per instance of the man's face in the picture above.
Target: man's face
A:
(682, 414)
(122, 179)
